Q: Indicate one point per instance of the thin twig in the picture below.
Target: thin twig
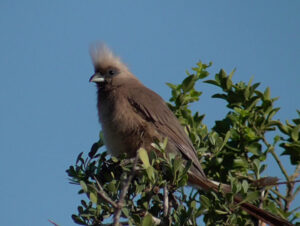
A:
(294, 210)
(271, 149)
(279, 199)
(296, 173)
(166, 200)
(260, 222)
(276, 200)
(104, 195)
(290, 179)
(287, 182)
(296, 191)
(124, 190)
(279, 163)
(278, 193)
(52, 222)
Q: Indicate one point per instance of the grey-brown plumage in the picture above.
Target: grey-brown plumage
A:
(133, 116)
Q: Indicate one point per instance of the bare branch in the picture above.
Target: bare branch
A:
(296, 174)
(166, 200)
(104, 195)
(124, 190)
(52, 222)
(283, 170)
(296, 191)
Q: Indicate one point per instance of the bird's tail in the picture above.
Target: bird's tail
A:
(251, 209)
(263, 215)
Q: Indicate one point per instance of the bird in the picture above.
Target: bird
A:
(133, 116)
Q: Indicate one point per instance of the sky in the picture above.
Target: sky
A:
(48, 108)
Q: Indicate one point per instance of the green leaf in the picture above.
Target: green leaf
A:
(283, 128)
(172, 86)
(297, 215)
(187, 167)
(79, 158)
(147, 220)
(203, 74)
(236, 187)
(193, 204)
(205, 201)
(262, 168)
(228, 83)
(295, 133)
(164, 143)
(114, 159)
(188, 83)
(251, 197)
(222, 74)
(276, 139)
(150, 172)
(232, 73)
(144, 157)
(78, 220)
(254, 148)
(220, 96)
(272, 113)
(126, 211)
(213, 82)
(267, 94)
(93, 197)
(221, 212)
(112, 186)
(226, 138)
(240, 163)
(83, 186)
(245, 186)
(177, 163)
(256, 165)
(213, 138)
(250, 134)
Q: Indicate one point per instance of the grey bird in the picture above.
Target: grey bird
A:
(133, 116)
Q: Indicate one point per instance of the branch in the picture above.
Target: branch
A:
(166, 201)
(104, 195)
(278, 193)
(296, 173)
(279, 163)
(52, 222)
(294, 210)
(124, 190)
(296, 191)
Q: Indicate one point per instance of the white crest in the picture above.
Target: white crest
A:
(103, 57)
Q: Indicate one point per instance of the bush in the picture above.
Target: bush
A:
(154, 190)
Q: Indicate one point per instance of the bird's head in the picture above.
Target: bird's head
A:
(108, 67)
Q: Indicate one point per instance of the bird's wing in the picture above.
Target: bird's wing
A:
(153, 109)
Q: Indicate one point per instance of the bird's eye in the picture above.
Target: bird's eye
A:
(111, 72)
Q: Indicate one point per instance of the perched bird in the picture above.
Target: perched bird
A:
(133, 116)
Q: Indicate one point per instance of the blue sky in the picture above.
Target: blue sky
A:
(48, 108)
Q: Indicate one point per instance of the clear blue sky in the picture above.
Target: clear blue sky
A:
(48, 108)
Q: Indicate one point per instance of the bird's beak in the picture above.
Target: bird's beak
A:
(97, 77)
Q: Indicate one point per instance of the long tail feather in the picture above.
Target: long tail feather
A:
(263, 215)
(258, 213)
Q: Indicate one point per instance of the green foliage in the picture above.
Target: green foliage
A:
(234, 152)
(97, 174)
